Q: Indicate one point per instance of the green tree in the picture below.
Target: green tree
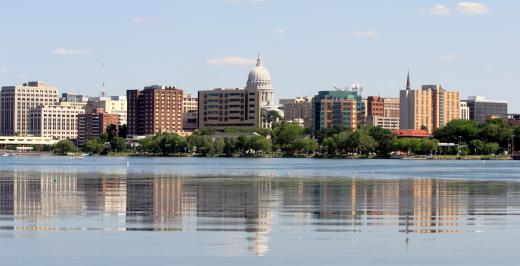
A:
(94, 146)
(285, 134)
(259, 144)
(383, 138)
(170, 144)
(118, 144)
(329, 146)
(122, 131)
(305, 145)
(63, 147)
(467, 130)
(111, 131)
(230, 146)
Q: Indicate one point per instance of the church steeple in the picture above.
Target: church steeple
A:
(408, 81)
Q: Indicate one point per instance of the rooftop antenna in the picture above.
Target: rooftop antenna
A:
(103, 89)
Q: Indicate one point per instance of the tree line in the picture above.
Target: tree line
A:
(292, 140)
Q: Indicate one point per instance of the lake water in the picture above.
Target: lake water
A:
(203, 211)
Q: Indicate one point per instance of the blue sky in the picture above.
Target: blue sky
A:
(472, 47)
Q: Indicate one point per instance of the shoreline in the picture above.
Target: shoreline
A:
(10, 153)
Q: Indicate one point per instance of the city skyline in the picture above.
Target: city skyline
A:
(465, 46)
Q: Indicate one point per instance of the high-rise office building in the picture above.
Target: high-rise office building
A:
(299, 108)
(74, 99)
(154, 110)
(93, 124)
(59, 120)
(481, 109)
(16, 103)
(429, 108)
(338, 108)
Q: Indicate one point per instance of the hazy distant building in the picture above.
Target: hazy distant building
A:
(513, 119)
(92, 125)
(299, 108)
(338, 108)
(111, 105)
(59, 120)
(16, 103)
(429, 108)
(74, 99)
(154, 110)
(481, 109)
(190, 112)
(227, 107)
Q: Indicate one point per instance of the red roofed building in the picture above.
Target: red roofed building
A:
(412, 133)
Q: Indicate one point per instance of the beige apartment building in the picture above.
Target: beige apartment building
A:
(59, 120)
(229, 107)
(299, 108)
(429, 108)
(16, 103)
(111, 105)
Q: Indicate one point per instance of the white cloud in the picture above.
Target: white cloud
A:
(143, 20)
(69, 52)
(472, 8)
(279, 31)
(364, 34)
(439, 10)
(450, 57)
(231, 61)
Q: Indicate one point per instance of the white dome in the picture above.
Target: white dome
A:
(259, 76)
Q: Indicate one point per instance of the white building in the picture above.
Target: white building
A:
(464, 110)
(386, 122)
(16, 103)
(111, 105)
(259, 80)
(59, 121)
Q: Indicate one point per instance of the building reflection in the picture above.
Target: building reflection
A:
(41, 201)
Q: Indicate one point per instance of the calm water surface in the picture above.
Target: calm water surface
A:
(193, 211)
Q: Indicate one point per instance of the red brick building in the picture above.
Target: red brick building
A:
(91, 125)
(375, 106)
(154, 110)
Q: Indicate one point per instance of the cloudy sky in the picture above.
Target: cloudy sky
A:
(473, 47)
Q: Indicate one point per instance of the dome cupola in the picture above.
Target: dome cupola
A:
(259, 76)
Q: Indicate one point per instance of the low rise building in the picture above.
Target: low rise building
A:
(229, 107)
(111, 105)
(190, 113)
(481, 109)
(383, 112)
(59, 120)
(299, 108)
(92, 125)
(464, 110)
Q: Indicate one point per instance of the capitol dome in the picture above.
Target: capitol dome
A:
(259, 76)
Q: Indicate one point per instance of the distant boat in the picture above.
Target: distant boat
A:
(6, 154)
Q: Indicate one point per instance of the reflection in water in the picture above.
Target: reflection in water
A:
(32, 202)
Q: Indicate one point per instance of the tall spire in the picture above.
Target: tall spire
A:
(259, 60)
(408, 81)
